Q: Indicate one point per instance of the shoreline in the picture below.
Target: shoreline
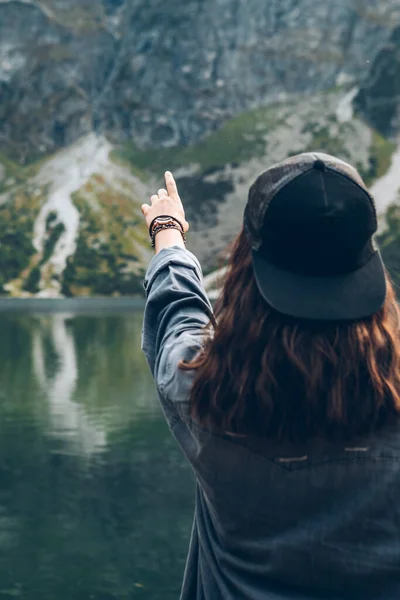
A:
(81, 305)
(76, 305)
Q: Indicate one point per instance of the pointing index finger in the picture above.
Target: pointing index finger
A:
(171, 185)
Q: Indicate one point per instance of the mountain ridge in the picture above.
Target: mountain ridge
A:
(98, 99)
(169, 74)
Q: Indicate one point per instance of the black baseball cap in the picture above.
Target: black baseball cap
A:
(310, 221)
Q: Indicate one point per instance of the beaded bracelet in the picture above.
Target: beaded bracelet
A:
(169, 216)
(162, 226)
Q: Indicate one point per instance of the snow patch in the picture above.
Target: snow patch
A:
(69, 420)
(10, 62)
(344, 78)
(36, 4)
(386, 189)
(344, 111)
(66, 172)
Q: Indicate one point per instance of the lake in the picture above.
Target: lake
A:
(96, 499)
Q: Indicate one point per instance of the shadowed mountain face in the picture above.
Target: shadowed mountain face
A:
(379, 98)
(167, 73)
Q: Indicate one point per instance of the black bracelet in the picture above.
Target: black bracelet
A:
(151, 224)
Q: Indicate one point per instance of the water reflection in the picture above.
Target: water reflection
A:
(95, 496)
(69, 420)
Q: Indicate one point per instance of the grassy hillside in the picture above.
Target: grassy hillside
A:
(111, 234)
(112, 245)
(389, 244)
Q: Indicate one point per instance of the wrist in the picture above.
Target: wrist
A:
(168, 237)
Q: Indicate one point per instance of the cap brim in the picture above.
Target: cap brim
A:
(343, 297)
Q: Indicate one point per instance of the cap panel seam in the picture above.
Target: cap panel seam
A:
(279, 188)
(363, 189)
(324, 189)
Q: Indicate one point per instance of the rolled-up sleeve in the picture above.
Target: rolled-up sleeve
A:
(177, 309)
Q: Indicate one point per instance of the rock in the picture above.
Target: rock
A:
(80, 77)
(69, 67)
(379, 97)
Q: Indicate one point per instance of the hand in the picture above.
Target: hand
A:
(166, 202)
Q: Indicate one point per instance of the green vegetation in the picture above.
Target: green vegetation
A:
(85, 17)
(381, 149)
(16, 225)
(32, 282)
(17, 173)
(51, 52)
(324, 141)
(58, 53)
(113, 234)
(118, 157)
(238, 140)
(389, 243)
(381, 152)
(380, 19)
(53, 233)
(110, 236)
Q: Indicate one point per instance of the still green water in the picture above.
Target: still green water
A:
(96, 499)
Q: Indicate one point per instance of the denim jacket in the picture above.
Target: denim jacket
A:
(271, 521)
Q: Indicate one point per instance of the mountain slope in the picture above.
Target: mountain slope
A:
(73, 221)
(74, 225)
(168, 73)
(98, 99)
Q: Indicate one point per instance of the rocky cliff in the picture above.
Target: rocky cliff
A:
(379, 97)
(167, 73)
(99, 97)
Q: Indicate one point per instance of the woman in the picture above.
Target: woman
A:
(286, 399)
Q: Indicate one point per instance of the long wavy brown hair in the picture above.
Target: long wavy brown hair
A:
(266, 374)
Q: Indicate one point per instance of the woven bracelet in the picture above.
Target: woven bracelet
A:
(169, 216)
(160, 227)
